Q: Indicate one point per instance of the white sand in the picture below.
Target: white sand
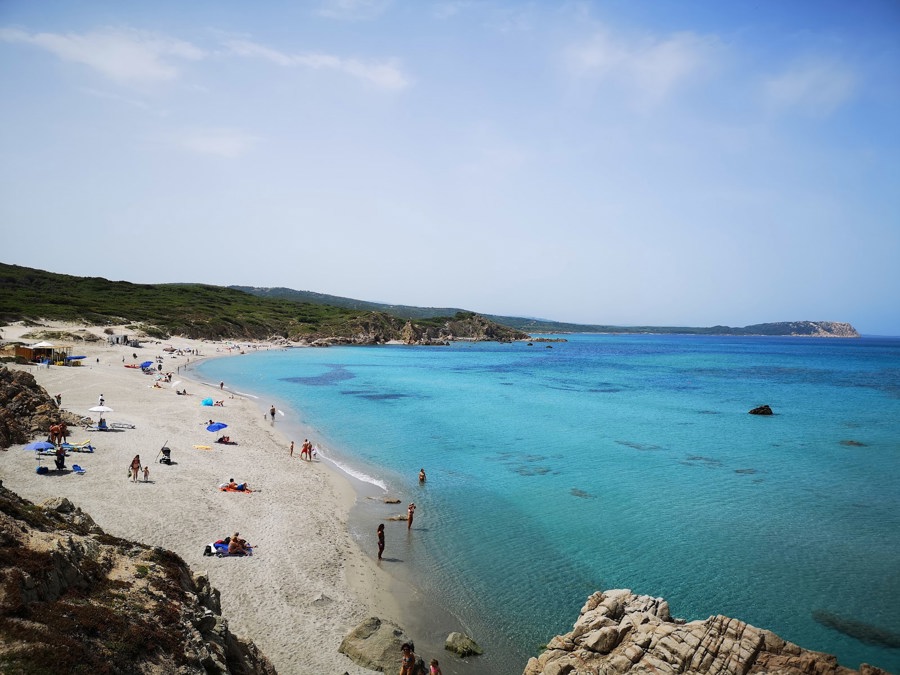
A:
(307, 584)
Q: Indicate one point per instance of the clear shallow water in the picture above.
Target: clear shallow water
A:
(621, 461)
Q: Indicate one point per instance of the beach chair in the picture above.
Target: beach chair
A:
(77, 469)
(121, 425)
(84, 446)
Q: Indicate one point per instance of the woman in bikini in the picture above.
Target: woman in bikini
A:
(135, 467)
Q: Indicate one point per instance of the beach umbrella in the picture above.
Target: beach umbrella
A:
(39, 445)
(100, 409)
(146, 364)
(216, 426)
(206, 401)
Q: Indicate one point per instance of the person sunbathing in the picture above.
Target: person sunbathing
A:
(238, 546)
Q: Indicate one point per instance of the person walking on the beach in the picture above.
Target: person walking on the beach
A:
(221, 386)
(135, 467)
(146, 473)
(101, 400)
(272, 413)
(380, 540)
(410, 510)
(435, 668)
(292, 449)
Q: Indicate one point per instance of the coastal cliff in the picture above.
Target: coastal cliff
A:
(620, 632)
(75, 599)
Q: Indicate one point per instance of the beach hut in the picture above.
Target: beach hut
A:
(43, 352)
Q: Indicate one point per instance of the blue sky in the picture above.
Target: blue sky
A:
(661, 163)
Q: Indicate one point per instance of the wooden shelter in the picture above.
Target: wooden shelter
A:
(43, 352)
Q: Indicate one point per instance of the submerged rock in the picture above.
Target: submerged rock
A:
(762, 410)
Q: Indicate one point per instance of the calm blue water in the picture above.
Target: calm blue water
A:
(622, 461)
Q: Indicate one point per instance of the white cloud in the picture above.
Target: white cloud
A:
(122, 55)
(811, 86)
(352, 10)
(385, 75)
(650, 68)
(228, 143)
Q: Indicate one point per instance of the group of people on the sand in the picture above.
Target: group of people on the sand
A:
(232, 545)
(59, 433)
(307, 450)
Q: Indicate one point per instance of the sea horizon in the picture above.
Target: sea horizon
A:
(615, 461)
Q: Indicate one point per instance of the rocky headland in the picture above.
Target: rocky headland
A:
(620, 632)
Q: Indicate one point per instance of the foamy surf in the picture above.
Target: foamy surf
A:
(354, 473)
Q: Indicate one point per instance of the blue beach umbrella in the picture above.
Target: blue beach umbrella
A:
(206, 401)
(216, 426)
(146, 364)
(39, 445)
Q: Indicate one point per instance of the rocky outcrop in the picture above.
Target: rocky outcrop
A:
(383, 329)
(26, 408)
(620, 632)
(762, 410)
(803, 329)
(74, 599)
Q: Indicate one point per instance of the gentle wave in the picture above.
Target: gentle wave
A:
(355, 473)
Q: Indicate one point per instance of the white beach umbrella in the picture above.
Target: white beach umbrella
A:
(101, 409)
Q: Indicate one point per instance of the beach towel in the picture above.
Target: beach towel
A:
(226, 488)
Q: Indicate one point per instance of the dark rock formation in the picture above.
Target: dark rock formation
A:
(375, 644)
(75, 599)
(762, 410)
(26, 408)
(619, 632)
(462, 645)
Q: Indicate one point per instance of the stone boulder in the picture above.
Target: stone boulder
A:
(762, 410)
(462, 645)
(375, 644)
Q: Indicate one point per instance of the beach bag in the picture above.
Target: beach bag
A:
(208, 549)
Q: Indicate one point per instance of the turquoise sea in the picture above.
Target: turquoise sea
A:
(555, 470)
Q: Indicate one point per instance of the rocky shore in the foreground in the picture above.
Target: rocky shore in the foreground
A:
(620, 632)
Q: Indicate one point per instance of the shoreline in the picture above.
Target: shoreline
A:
(308, 584)
(426, 623)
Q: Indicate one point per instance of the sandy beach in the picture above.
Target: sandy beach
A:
(307, 584)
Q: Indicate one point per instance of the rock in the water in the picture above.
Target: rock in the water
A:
(620, 632)
(375, 644)
(462, 645)
(762, 410)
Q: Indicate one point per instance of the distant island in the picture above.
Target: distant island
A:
(244, 312)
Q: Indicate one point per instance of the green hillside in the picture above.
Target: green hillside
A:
(214, 312)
